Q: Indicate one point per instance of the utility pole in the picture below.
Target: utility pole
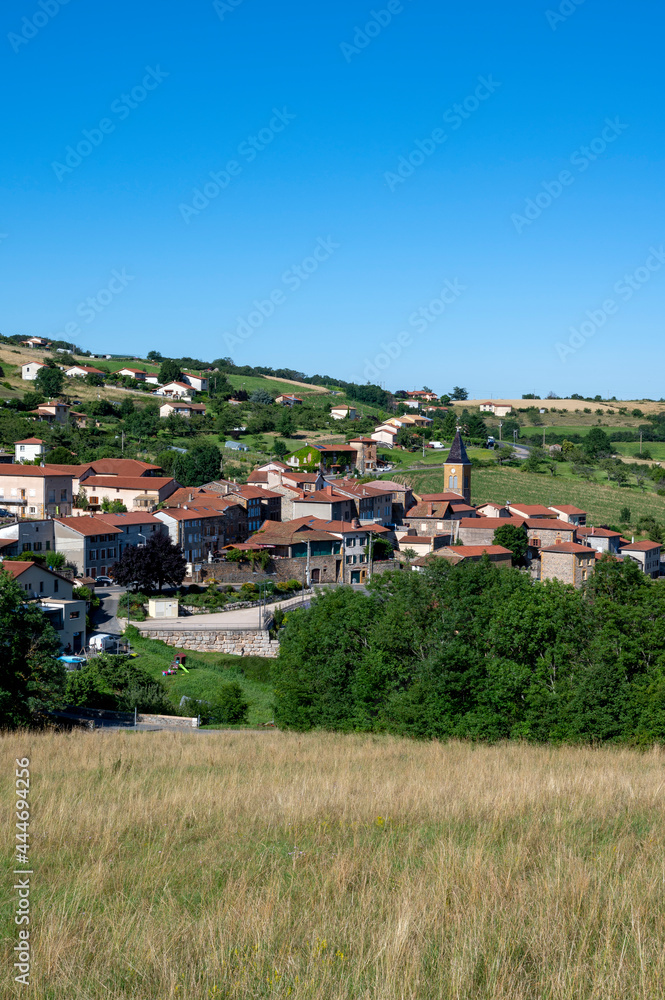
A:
(543, 437)
(640, 442)
(500, 426)
(308, 578)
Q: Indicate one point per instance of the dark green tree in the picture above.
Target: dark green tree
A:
(50, 381)
(169, 371)
(32, 680)
(513, 538)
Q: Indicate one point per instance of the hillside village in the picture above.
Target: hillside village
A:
(325, 512)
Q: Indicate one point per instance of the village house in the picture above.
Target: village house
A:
(421, 545)
(38, 342)
(94, 542)
(35, 491)
(498, 409)
(600, 539)
(497, 554)
(401, 497)
(29, 449)
(135, 492)
(571, 514)
(232, 513)
(422, 395)
(198, 382)
(177, 390)
(54, 596)
(385, 434)
(181, 409)
(372, 503)
(136, 373)
(287, 399)
(326, 504)
(53, 412)
(480, 530)
(529, 510)
(436, 517)
(31, 369)
(343, 412)
(489, 509)
(27, 535)
(200, 532)
(80, 371)
(261, 505)
(568, 562)
(646, 555)
(543, 533)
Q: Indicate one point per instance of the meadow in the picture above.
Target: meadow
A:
(602, 501)
(324, 867)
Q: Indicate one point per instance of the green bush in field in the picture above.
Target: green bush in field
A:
(227, 708)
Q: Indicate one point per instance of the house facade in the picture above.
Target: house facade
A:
(31, 369)
(567, 562)
(28, 450)
(34, 491)
(646, 555)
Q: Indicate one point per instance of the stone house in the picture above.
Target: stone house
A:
(600, 539)
(568, 562)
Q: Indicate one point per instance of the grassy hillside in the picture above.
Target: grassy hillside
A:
(321, 867)
(603, 502)
(207, 672)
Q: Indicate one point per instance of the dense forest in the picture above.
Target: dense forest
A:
(481, 653)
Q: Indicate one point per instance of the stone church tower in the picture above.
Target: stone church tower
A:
(457, 470)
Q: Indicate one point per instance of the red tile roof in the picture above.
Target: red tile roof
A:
(547, 525)
(641, 546)
(571, 548)
(597, 532)
(567, 508)
(483, 523)
(530, 509)
(88, 524)
(30, 441)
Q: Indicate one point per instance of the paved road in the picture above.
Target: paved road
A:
(104, 618)
(244, 618)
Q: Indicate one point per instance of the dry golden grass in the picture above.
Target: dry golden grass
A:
(273, 865)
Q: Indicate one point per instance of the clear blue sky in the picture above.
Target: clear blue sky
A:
(183, 86)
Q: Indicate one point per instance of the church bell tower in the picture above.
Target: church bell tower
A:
(457, 470)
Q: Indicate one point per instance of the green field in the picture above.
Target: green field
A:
(207, 672)
(602, 502)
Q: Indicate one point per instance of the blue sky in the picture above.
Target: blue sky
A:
(355, 221)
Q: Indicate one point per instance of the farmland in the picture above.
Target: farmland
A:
(334, 867)
(603, 502)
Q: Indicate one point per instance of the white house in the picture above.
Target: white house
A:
(28, 449)
(80, 371)
(179, 390)
(35, 342)
(498, 409)
(343, 412)
(198, 382)
(135, 373)
(152, 379)
(30, 369)
(385, 434)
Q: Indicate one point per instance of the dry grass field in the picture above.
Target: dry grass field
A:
(242, 865)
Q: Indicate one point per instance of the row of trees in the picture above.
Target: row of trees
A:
(477, 652)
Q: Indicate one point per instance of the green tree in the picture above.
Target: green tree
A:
(513, 538)
(286, 425)
(261, 396)
(459, 393)
(113, 506)
(61, 456)
(50, 381)
(32, 680)
(200, 465)
(169, 371)
(625, 515)
(597, 443)
(279, 448)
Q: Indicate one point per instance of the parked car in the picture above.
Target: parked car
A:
(103, 581)
(5, 513)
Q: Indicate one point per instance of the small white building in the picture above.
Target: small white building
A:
(135, 373)
(498, 409)
(152, 379)
(198, 382)
(28, 449)
(343, 412)
(30, 370)
(80, 371)
(177, 390)
(385, 434)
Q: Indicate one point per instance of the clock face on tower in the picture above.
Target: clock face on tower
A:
(453, 471)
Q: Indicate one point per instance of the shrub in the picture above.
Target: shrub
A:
(228, 706)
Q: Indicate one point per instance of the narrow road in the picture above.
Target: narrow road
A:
(104, 618)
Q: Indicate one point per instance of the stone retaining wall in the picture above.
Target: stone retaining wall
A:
(172, 721)
(211, 639)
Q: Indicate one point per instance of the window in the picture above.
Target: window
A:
(21, 447)
(32, 510)
(535, 542)
(102, 554)
(48, 546)
(31, 493)
(37, 547)
(56, 584)
(63, 494)
(41, 586)
(26, 546)
(93, 554)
